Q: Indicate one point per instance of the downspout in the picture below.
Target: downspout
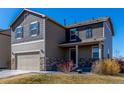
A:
(76, 56)
(44, 32)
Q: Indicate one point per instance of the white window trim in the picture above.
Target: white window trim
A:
(92, 50)
(71, 38)
(34, 22)
(33, 29)
(18, 26)
(87, 31)
(33, 35)
(18, 38)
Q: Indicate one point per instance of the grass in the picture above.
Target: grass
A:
(62, 79)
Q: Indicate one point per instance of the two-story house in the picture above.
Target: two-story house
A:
(36, 38)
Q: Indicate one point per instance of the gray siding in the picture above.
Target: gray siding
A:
(21, 48)
(27, 44)
(25, 23)
(96, 33)
(54, 35)
(107, 41)
(85, 52)
(29, 47)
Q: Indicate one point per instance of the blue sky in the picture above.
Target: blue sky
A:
(72, 15)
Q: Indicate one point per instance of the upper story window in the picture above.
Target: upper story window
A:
(19, 32)
(34, 28)
(95, 52)
(89, 33)
(73, 34)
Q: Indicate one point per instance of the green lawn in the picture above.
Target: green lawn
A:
(62, 79)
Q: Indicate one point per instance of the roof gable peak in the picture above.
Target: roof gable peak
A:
(25, 10)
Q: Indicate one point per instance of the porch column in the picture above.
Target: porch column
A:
(100, 51)
(76, 55)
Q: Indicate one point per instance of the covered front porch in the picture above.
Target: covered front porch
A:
(78, 52)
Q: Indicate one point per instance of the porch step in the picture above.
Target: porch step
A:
(86, 69)
(83, 69)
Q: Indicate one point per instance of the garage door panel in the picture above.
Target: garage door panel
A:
(28, 61)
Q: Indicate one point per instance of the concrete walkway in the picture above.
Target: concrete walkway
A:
(9, 73)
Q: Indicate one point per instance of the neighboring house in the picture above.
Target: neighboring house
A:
(36, 38)
(5, 49)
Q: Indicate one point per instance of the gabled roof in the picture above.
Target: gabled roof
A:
(93, 21)
(39, 14)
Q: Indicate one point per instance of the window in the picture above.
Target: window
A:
(89, 33)
(19, 32)
(95, 52)
(34, 28)
(73, 34)
(108, 54)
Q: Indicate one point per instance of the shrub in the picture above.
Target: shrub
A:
(66, 66)
(110, 67)
(106, 67)
(96, 67)
(121, 63)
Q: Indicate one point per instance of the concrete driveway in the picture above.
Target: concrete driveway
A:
(9, 73)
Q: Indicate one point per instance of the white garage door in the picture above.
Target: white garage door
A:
(28, 61)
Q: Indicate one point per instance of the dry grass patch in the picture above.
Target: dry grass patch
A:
(62, 79)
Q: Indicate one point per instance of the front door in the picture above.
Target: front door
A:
(73, 55)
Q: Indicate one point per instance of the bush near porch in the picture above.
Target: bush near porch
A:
(59, 64)
(121, 63)
(106, 67)
(65, 65)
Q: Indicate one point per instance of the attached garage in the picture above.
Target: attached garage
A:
(28, 61)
